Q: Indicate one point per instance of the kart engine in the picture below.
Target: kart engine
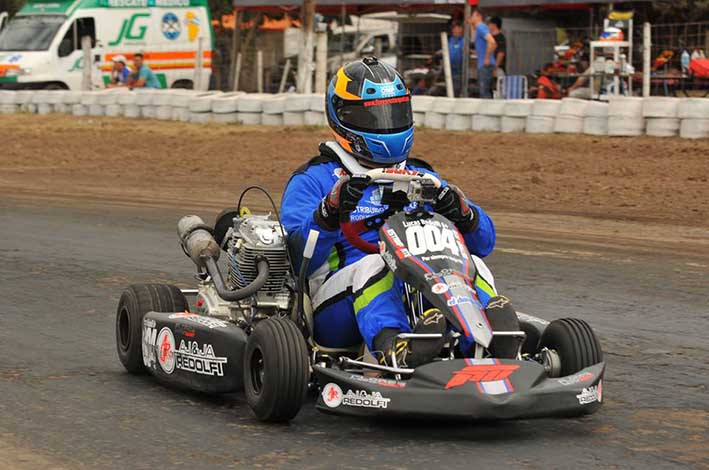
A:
(259, 282)
(256, 236)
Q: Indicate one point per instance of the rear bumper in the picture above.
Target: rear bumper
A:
(526, 393)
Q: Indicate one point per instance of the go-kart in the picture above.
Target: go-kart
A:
(254, 329)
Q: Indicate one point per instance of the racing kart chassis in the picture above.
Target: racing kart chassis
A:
(250, 332)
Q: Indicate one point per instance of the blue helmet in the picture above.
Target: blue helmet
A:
(369, 110)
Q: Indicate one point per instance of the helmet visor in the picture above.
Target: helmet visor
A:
(380, 116)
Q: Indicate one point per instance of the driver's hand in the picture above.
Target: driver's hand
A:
(452, 204)
(342, 199)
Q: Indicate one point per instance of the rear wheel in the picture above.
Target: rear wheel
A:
(136, 301)
(574, 342)
(276, 370)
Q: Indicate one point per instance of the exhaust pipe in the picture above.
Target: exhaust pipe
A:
(199, 245)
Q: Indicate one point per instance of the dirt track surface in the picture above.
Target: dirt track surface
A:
(646, 179)
(90, 206)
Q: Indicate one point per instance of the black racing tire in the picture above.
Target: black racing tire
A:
(531, 341)
(135, 302)
(575, 343)
(276, 370)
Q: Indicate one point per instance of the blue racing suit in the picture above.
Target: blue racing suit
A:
(355, 295)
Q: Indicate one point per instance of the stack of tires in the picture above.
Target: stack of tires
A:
(541, 120)
(200, 107)
(694, 115)
(571, 116)
(440, 108)
(9, 102)
(661, 116)
(421, 105)
(461, 119)
(249, 109)
(625, 116)
(225, 108)
(489, 117)
(516, 113)
(315, 115)
(296, 107)
(595, 121)
(273, 108)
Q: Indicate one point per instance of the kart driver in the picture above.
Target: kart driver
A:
(354, 295)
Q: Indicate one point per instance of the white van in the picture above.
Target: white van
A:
(41, 46)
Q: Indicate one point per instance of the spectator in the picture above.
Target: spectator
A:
(495, 26)
(484, 48)
(120, 72)
(142, 76)
(421, 87)
(546, 88)
(455, 51)
(582, 87)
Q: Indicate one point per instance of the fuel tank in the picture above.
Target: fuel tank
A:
(194, 351)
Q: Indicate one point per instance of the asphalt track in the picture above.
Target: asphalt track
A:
(66, 402)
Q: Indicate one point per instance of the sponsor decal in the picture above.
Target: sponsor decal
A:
(394, 237)
(381, 102)
(591, 394)
(376, 196)
(462, 285)
(481, 373)
(147, 343)
(378, 381)
(166, 350)
(332, 395)
(389, 260)
(441, 273)
(459, 300)
(388, 90)
(439, 288)
(132, 30)
(433, 318)
(209, 322)
(399, 171)
(171, 27)
(192, 24)
(192, 357)
(498, 303)
(363, 399)
(574, 379)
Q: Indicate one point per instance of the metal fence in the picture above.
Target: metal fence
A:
(677, 37)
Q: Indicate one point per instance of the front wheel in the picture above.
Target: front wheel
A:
(574, 342)
(276, 370)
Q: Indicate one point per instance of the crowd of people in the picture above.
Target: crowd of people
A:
(140, 76)
(490, 47)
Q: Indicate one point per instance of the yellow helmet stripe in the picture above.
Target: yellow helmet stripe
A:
(341, 86)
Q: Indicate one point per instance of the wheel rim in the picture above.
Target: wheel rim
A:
(257, 370)
(124, 329)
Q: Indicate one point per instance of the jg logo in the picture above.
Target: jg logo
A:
(131, 31)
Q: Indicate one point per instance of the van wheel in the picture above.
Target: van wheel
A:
(136, 301)
(183, 85)
(56, 86)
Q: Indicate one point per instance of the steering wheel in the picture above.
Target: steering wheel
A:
(352, 230)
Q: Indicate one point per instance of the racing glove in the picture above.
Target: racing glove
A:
(342, 200)
(452, 204)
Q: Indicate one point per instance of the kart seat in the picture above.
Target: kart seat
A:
(308, 307)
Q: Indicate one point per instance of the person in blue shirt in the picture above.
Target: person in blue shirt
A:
(142, 76)
(484, 48)
(355, 296)
(120, 73)
(455, 52)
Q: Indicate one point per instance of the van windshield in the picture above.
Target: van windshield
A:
(30, 33)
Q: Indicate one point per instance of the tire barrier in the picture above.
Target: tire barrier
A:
(620, 116)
